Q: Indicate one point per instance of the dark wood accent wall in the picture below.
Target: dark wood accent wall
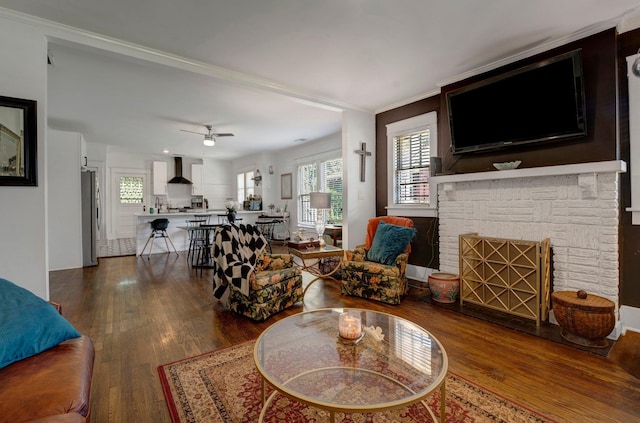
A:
(599, 67)
(425, 248)
(604, 67)
(629, 234)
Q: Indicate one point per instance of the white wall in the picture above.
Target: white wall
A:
(287, 161)
(64, 196)
(23, 74)
(360, 197)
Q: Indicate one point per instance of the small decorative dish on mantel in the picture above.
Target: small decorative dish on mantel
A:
(507, 165)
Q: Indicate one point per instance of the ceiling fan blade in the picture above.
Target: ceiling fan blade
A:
(224, 134)
(193, 132)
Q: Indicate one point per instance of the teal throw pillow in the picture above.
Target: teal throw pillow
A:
(28, 324)
(389, 242)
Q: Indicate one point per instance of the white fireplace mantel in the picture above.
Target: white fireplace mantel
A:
(616, 166)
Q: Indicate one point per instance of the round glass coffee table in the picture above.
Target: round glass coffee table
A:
(304, 358)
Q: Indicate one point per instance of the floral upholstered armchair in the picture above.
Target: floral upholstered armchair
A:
(249, 281)
(376, 269)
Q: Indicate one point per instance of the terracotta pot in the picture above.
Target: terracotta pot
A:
(444, 287)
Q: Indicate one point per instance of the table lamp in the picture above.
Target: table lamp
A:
(320, 201)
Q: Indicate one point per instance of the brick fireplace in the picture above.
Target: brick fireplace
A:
(576, 206)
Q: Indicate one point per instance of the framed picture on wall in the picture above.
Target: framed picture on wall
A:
(18, 163)
(286, 188)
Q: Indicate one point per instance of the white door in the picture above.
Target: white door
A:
(130, 191)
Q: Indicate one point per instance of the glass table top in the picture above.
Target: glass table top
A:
(304, 357)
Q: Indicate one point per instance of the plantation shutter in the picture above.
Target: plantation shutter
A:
(332, 182)
(411, 161)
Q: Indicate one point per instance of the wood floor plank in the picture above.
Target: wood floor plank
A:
(142, 313)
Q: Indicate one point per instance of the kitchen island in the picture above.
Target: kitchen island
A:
(179, 237)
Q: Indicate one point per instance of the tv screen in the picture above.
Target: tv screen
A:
(540, 102)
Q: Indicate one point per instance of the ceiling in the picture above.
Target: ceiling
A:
(276, 71)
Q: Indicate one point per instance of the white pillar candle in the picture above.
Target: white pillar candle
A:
(349, 326)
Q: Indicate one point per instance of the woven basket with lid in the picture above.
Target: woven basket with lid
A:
(585, 319)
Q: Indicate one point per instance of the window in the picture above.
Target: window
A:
(411, 164)
(325, 176)
(131, 189)
(245, 186)
(411, 144)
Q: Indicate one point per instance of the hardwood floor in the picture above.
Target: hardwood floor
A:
(142, 313)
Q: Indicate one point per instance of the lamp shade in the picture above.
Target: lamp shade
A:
(320, 200)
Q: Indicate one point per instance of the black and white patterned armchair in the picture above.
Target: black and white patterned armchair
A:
(249, 281)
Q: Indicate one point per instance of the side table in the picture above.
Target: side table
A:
(315, 254)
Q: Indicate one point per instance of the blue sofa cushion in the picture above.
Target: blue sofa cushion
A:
(389, 242)
(28, 324)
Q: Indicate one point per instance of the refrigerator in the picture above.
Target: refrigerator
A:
(90, 216)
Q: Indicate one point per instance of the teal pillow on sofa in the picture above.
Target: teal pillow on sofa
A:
(28, 324)
(389, 242)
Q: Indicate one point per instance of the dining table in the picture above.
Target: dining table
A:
(201, 255)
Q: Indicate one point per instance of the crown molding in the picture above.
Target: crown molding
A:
(407, 101)
(65, 34)
(545, 46)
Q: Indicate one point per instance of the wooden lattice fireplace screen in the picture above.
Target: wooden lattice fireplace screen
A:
(507, 275)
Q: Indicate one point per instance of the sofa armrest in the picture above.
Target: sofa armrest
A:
(359, 253)
(274, 262)
(55, 381)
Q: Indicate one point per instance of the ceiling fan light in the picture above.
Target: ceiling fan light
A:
(209, 142)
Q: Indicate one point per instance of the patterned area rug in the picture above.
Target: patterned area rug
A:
(224, 386)
(118, 247)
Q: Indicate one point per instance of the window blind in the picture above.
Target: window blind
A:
(411, 162)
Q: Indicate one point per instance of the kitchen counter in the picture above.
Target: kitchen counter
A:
(191, 212)
(179, 237)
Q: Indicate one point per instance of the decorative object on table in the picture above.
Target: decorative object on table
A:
(363, 153)
(254, 202)
(375, 280)
(299, 235)
(320, 201)
(507, 165)
(286, 186)
(350, 325)
(231, 207)
(304, 244)
(444, 287)
(18, 142)
(224, 385)
(585, 319)
(375, 332)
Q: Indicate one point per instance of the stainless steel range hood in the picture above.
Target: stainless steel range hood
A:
(179, 179)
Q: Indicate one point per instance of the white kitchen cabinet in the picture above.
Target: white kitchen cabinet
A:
(160, 178)
(196, 178)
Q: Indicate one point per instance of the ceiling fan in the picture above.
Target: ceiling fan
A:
(209, 137)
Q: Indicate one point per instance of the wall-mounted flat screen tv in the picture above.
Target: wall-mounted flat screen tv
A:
(537, 103)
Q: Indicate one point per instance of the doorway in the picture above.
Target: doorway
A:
(129, 193)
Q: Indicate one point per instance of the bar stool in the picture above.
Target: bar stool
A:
(196, 236)
(205, 217)
(266, 228)
(158, 230)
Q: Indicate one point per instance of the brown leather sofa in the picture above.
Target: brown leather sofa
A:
(53, 386)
